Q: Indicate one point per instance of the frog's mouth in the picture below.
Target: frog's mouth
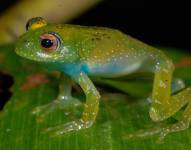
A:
(22, 53)
(19, 52)
(37, 56)
(29, 56)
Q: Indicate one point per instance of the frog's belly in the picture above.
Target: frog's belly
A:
(113, 69)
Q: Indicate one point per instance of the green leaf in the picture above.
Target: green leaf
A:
(118, 115)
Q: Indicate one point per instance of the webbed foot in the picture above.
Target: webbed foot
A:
(162, 131)
(65, 103)
(179, 126)
(68, 127)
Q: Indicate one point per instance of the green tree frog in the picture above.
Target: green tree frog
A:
(80, 52)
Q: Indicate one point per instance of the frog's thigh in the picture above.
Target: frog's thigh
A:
(163, 104)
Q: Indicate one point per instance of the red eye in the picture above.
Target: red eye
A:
(49, 42)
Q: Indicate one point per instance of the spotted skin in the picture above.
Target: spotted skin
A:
(104, 52)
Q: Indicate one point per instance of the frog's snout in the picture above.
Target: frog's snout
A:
(26, 43)
(21, 46)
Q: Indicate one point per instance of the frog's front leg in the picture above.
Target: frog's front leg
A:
(64, 99)
(90, 109)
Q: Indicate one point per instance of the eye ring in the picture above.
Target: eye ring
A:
(50, 42)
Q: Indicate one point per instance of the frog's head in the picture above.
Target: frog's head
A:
(43, 44)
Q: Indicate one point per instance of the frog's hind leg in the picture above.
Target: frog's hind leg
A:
(64, 100)
(184, 122)
(164, 105)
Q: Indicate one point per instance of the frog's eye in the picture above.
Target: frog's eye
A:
(49, 42)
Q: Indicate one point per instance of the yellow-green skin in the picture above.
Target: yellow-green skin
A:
(97, 51)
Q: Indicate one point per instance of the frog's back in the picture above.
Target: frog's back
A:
(108, 51)
(107, 40)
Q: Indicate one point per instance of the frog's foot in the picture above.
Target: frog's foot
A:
(143, 133)
(179, 126)
(162, 131)
(68, 127)
(65, 103)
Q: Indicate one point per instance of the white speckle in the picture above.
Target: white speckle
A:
(162, 84)
(157, 101)
(43, 55)
(64, 50)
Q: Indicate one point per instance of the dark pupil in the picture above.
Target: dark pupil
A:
(46, 43)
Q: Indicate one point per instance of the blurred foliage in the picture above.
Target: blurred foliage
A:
(119, 114)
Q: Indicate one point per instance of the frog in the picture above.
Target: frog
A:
(81, 52)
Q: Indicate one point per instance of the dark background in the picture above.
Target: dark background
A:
(157, 22)
(164, 23)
